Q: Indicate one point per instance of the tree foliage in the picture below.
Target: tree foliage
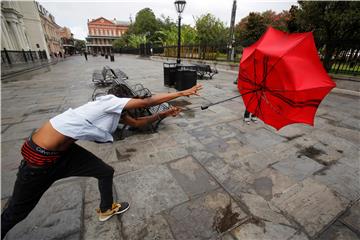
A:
(211, 30)
(250, 28)
(146, 22)
(336, 24)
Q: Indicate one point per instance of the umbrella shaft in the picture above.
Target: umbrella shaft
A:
(215, 103)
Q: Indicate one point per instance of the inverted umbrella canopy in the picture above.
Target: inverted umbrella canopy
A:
(281, 78)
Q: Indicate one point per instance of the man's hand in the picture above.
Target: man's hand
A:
(172, 111)
(192, 91)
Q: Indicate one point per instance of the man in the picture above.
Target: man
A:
(51, 153)
(85, 54)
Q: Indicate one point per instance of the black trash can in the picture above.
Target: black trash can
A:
(112, 58)
(185, 79)
(169, 74)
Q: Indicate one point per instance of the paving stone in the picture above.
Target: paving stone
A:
(223, 172)
(204, 217)
(224, 130)
(338, 144)
(94, 229)
(263, 230)
(232, 151)
(343, 179)
(261, 208)
(11, 154)
(298, 168)
(192, 177)
(351, 217)
(311, 204)
(152, 228)
(8, 179)
(293, 131)
(149, 192)
(261, 139)
(21, 130)
(338, 231)
(60, 205)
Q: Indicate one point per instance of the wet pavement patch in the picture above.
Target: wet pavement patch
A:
(225, 219)
(311, 152)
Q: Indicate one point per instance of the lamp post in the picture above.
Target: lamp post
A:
(179, 5)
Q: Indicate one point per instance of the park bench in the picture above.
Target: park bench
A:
(122, 88)
(205, 71)
(104, 77)
(120, 74)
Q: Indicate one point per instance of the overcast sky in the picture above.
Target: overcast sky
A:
(74, 14)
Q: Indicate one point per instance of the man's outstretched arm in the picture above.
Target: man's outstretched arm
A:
(161, 98)
(143, 121)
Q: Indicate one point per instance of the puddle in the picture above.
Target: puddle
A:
(311, 152)
(263, 187)
(225, 219)
(122, 158)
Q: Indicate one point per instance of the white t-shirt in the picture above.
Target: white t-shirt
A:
(94, 121)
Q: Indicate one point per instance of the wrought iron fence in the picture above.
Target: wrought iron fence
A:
(215, 53)
(10, 57)
(346, 62)
(343, 62)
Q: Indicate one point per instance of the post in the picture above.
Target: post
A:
(7, 56)
(231, 50)
(32, 59)
(179, 41)
(24, 55)
(44, 52)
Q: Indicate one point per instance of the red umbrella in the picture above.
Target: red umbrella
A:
(281, 78)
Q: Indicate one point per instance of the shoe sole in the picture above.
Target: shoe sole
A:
(117, 213)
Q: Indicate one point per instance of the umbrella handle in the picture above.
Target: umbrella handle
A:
(215, 103)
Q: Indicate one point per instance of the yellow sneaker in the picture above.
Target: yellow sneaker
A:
(116, 208)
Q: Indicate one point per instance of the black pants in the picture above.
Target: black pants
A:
(31, 183)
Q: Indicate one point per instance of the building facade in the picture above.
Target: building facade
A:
(13, 33)
(67, 41)
(102, 32)
(52, 31)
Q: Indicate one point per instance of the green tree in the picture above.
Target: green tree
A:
(146, 23)
(119, 43)
(250, 29)
(211, 30)
(169, 37)
(79, 45)
(136, 40)
(336, 24)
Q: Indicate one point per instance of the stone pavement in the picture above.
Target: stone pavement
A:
(203, 175)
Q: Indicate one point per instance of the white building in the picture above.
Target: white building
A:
(21, 26)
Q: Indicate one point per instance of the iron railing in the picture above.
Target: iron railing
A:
(346, 62)
(10, 57)
(343, 62)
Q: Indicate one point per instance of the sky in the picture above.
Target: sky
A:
(74, 14)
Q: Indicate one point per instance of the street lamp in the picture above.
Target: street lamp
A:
(179, 5)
